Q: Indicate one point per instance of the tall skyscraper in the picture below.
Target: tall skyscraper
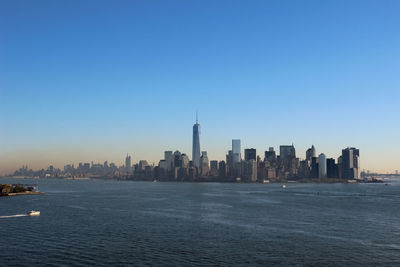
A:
(314, 167)
(214, 167)
(249, 170)
(311, 153)
(270, 155)
(304, 169)
(350, 163)
(250, 153)
(196, 143)
(204, 164)
(177, 159)
(331, 168)
(288, 157)
(169, 159)
(229, 159)
(287, 152)
(222, 169)
(236, 150)
(128, 162)
(322, 166)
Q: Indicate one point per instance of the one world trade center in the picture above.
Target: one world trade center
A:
(196, 143)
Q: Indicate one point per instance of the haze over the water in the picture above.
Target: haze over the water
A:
(93, 80)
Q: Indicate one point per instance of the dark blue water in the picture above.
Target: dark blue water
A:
(96, 222)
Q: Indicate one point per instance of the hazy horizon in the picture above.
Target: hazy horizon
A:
(58, 157)
(94, 80)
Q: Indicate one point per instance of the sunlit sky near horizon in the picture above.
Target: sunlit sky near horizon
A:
(85, 81)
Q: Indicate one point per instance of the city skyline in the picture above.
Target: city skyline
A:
(94, 80)
(176, 166)
(236, 148)
(251, 168)
(239, 153)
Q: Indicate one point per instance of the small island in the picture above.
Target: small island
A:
(18, 189)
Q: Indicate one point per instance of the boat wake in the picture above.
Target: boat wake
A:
(13, 216)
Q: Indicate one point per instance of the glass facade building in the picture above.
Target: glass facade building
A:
(322, 166)
(196, 144)
(236, 150)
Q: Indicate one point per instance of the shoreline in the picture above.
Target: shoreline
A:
(205, 180)
(9, 190)
(22, 193)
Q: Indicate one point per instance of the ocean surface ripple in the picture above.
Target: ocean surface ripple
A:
(103, 223)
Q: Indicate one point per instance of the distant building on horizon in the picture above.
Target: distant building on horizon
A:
(142, 165)
(222, 172)
(249, 170)
(236, 151)
(177, 159)
(314, 167)
(331, 168)
(270, 155)
(128, 164)
(287, 155)
(250, 153)
(214, 167)
(169, 160)
(322, 166)
(204, 164)
(350, 163)
(311, 153)
(287, 152)
(184, 160)
(196, 143)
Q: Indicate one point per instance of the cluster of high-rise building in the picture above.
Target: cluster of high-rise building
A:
(84, 169)
(177, 166)
(252, 168)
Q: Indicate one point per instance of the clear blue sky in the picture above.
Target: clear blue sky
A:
(93, 80)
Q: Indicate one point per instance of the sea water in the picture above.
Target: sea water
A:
(98, 222)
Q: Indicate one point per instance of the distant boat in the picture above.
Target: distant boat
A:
(283, 186)
(34, 213)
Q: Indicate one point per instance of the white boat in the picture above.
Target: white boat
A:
(34, 213)
(283, 186)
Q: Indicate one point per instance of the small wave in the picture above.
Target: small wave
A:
(13, 216)
(77, 207)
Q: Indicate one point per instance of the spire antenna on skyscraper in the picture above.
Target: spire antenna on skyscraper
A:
(197, 117)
